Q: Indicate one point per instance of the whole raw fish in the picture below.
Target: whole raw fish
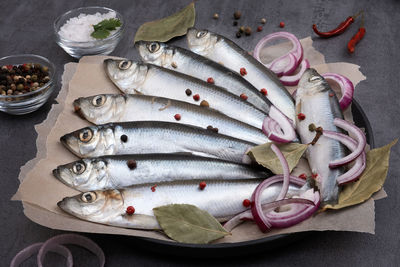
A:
(316, 100)
(221, 49)
(222, 199)
(115, 172)
(190, 63)
(146, 137)
(141, 78)
(101, 109)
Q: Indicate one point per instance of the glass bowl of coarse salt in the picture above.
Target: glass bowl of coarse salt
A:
(75, 29)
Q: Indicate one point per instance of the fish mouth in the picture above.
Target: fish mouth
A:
(78, 110)
(56, 173)
(63, 140)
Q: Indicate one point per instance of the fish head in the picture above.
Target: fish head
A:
(311, 82)
(126, 74)
(91, 141)
(101, 108)
(99, 206)
(154, 52)
(84, 175)
(201, 41)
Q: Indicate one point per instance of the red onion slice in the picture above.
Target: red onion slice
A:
(286, 133)
(360, 163)
(292, 80)
(286, 64)
(346, 86)
(34, 248)
(361, 142)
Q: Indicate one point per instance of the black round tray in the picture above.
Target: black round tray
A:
(238, 248)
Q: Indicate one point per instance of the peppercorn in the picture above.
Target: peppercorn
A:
(210, 80)
(9, 92)
(247, 31)
(196, 97)
(235, 23)
(312, 127)
(209, 127)
(243, 96)
(264, 91)
(243, 71)
(153, 188)
(202, 185)
(314, 175)
(303, 176)
(46, 79)
(20, 87)
(241, 29)
(246, 203)
(173, 64)
(215, 16)
(188, 92)
(35, 84)
(237, 14)
(282, 24)
(238, 35)
(331, 94)
(124, 138)
(259, 28)
(301, 116)
(3, 92)
(131, 164)
(204, 103)
(130, 210)
(177, 117)
(34, 77)
(13, 87)
(44, 68)
(263, 21)
(16, 78)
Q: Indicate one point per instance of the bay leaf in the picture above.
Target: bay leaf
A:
(189, 224)
(264, 155)
(371, 180)
(167, 28)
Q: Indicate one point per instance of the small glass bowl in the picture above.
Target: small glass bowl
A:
(79, 49)
(31, 101)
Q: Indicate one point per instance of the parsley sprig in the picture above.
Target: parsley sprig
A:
(103, 28)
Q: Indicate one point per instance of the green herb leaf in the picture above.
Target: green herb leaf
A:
(264, 155)
(167, 28)
(103, 28)
(189, 224)
(371, 180)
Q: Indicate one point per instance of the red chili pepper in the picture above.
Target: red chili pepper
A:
(331, 94)
(153, 188)
(210, 80)
(243, 96)
(243, 71)
(314, 175)
(246, 203)
(259, 28)
(202, 185)
(177, 117)
(282, 24)
(355, 39)
(130, 210)
(303, 176)
(301, 116)
(196, 97)
(338, 30)
(264, 91)
(9, 67)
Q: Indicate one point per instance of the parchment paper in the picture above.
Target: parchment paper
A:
(40, 191)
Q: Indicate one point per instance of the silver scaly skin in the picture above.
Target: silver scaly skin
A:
(102, 109)
(187, 62)
(115, 172)
(141, 78)
(316, 100)
(221, 49)
(147, 137)
(222, 199)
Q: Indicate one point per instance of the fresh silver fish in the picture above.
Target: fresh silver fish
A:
(146, 137)
(316, 100)
(221, 49)
(222, 199)
(141, 78)
(102, 109)
(187, 62)
(115, 172)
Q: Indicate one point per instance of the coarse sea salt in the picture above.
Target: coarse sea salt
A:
(78, 29)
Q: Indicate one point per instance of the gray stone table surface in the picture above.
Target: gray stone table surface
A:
(26, 27)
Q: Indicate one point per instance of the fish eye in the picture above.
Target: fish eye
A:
(201, 34)
(98, 100)
(85, 135)
(153, 47)
(314, 78)
(88, 197)
(124, 64)
(78, 168)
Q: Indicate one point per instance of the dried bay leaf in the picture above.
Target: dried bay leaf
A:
(167, 28)
(189, 224)
(264, 155)
(371, 180)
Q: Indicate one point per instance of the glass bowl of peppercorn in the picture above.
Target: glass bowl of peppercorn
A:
(26, 83)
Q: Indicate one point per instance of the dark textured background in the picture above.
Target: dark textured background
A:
(26, 27)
